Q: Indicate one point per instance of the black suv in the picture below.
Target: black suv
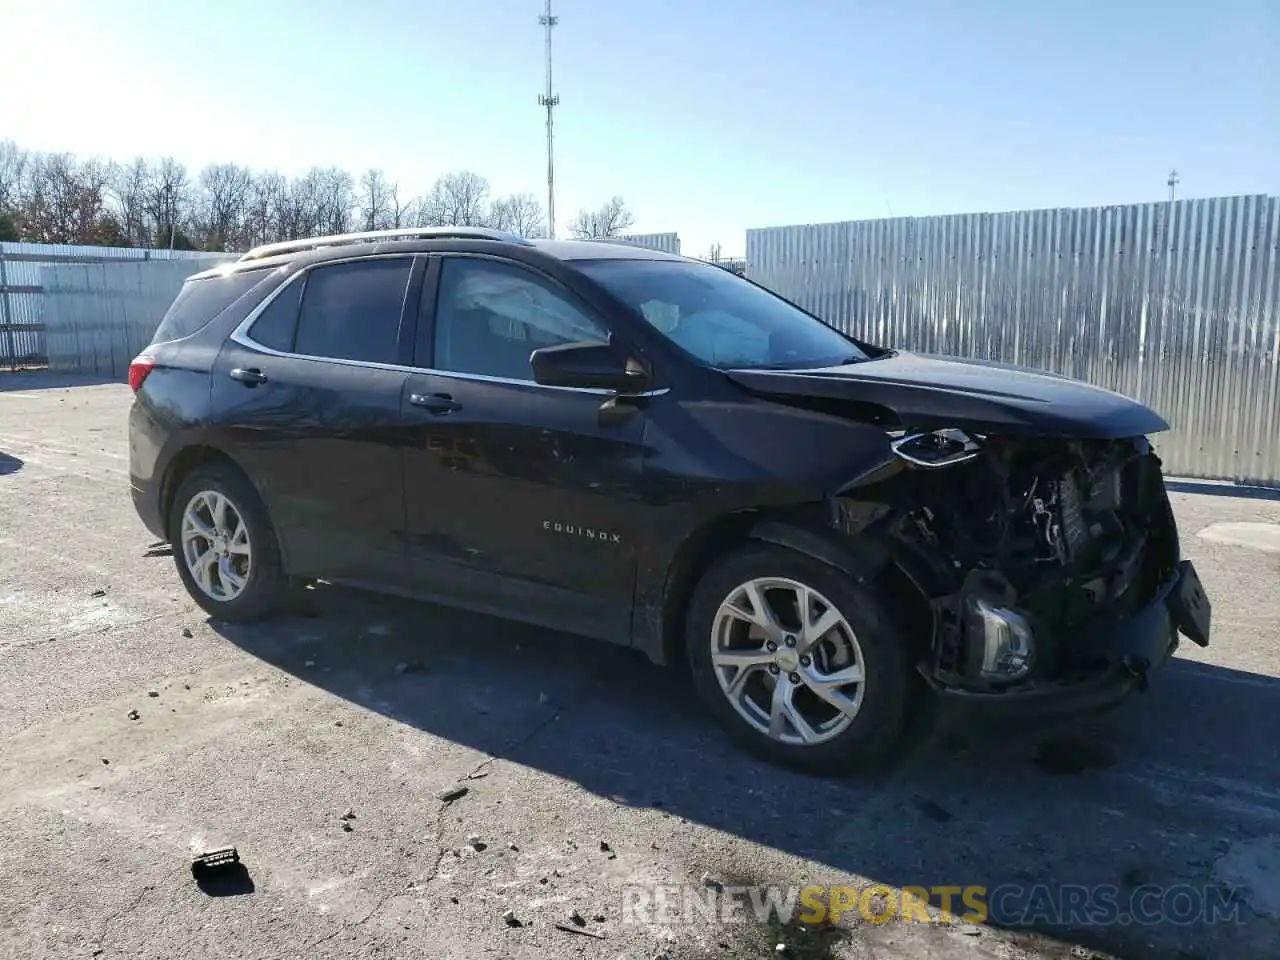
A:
(653, 451)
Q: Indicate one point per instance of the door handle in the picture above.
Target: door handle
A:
(435, 402)
(250, 377)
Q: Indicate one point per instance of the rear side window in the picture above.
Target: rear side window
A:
(199, 301)
(275, 325)
(351, 311)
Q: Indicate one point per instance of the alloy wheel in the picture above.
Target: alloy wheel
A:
(788, 661)
(215, 545)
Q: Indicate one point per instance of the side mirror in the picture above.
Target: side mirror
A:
(596, 366)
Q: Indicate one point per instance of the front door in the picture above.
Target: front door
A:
(307, 399)
(517, 494)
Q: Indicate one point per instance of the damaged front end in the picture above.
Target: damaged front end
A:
(1051, 568)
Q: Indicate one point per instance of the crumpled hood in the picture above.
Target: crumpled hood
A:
(979, 395)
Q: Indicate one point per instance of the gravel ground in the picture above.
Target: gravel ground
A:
(135, 730)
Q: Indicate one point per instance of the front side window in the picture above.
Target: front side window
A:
(491, 316)
(720, 318)
(351, 311)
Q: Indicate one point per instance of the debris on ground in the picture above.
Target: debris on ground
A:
(475, 842)
(346, 826)
(98, 593)
(479, 775)
(577, 918)
(134, 715)
(214, 861)
(105, 761)
(604, 846)
(450, 794)
(186, 632)
(580, 930)
(598, 918)
(348, 814)
(969, 930)
(512, 847)
(153, 693)
(934, 811)
(510, 919)
(709, 881)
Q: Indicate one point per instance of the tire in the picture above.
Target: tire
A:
(878, 704)
(263, 587)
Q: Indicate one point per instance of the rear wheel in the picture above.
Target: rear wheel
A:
(796, 660)
(225, 546)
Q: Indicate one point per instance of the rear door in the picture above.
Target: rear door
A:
(517, 494)
(307, 396)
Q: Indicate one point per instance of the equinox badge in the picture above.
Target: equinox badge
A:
(587, 533)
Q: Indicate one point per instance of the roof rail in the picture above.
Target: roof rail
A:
(373, 236)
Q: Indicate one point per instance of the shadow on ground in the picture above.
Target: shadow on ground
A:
(12, 380)
(1149, 795)
(1212, 489)
(9, 464)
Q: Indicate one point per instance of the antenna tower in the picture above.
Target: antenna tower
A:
(550, 101)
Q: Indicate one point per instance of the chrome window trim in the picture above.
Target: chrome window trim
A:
(241, 336)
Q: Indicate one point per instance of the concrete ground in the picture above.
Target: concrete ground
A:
(317, 745)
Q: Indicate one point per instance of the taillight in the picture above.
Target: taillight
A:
(138, 371)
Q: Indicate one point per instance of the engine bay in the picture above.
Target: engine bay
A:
(1038, 541)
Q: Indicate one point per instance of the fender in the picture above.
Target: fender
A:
(860, 558)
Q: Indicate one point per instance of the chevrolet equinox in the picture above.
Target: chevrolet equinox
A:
(656, 452)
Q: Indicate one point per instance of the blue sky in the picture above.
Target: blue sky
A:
(708, 116)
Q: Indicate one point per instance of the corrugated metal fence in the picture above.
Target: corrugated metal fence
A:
(22, 300)
(99, 316)
(1177, 304)
(666, 242)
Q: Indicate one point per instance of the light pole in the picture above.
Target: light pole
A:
(550, 101)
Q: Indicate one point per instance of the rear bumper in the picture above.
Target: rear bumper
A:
(1131, 649)
(146, 502)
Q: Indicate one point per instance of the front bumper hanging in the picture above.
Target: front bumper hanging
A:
(1131, 648)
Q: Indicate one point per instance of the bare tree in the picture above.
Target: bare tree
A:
(129, 192)
(457, 200)
(13, 167)
(58, 198)
(224, 189)
(610, 220)
(62, 200)
(401, 210)
(335, 200)
(377, 201)
(167, 200)
(520, 213)
(269, 196)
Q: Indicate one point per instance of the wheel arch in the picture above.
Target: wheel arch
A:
(185, 462)
(806, 530)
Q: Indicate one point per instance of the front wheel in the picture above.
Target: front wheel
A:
(225, 546)
(796, 660)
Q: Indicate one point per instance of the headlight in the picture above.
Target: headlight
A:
(1000, 641)
(938, 448)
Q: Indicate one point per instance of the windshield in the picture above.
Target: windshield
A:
(721, 319)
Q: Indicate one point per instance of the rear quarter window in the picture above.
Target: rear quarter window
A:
(199, 301)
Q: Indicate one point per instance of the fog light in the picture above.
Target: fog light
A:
(1000, 643)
